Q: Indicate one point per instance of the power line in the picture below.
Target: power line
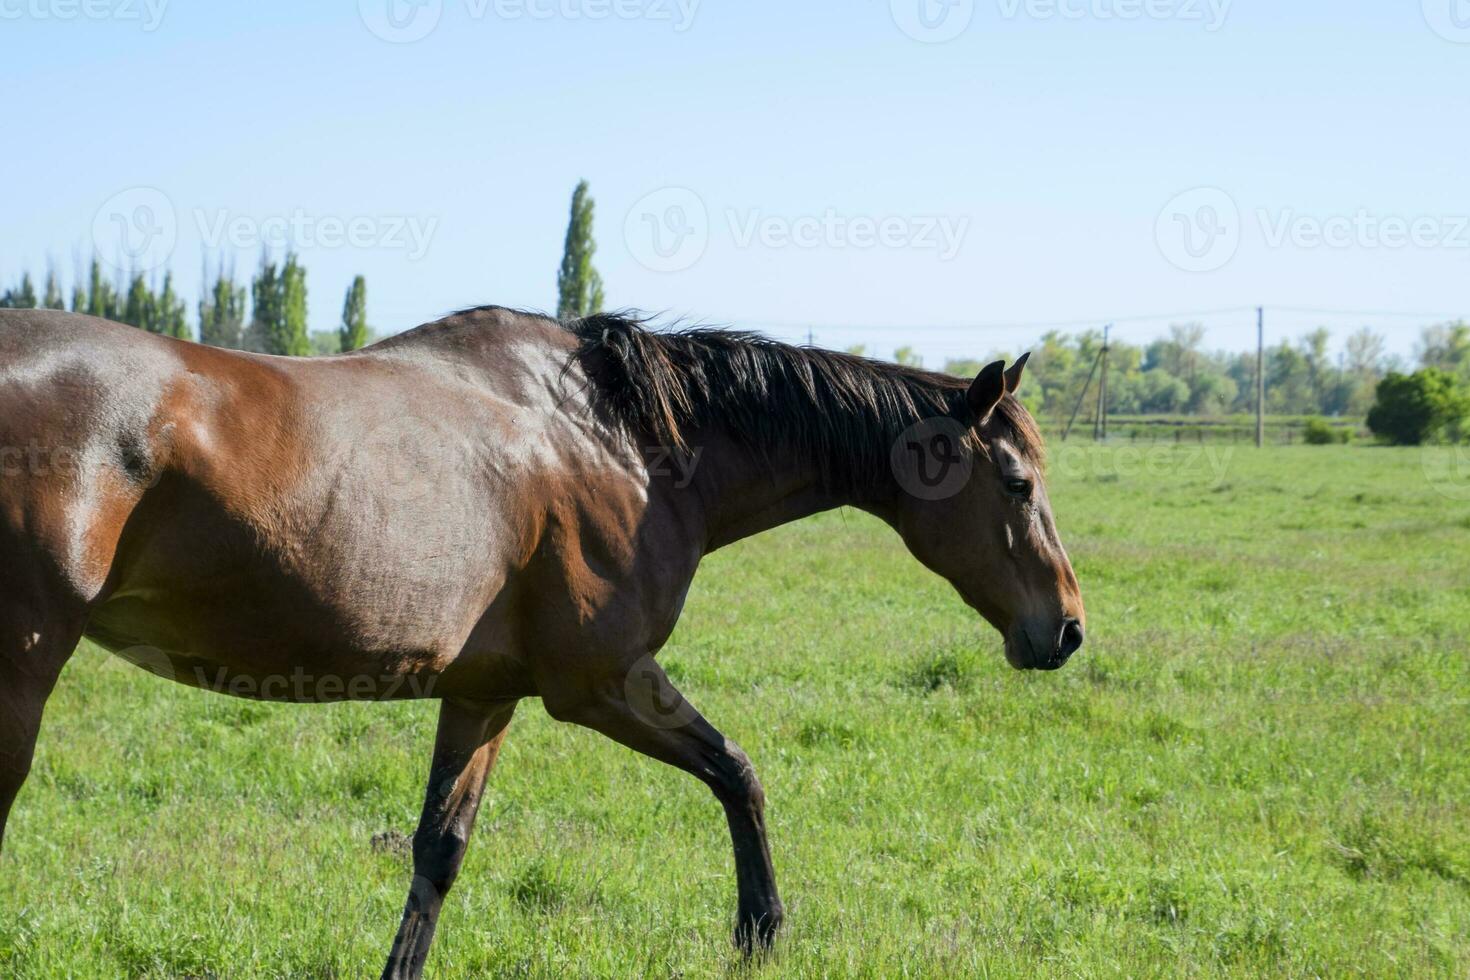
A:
(807, 327)
(1369, 313)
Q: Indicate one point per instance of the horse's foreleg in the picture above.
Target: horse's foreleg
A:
(32, 654)
(647, 714)
(465, 748)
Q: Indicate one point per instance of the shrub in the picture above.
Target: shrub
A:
(1414, 408)
(1318, 433)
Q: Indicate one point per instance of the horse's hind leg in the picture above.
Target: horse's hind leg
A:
(465, 749)
(34, 645)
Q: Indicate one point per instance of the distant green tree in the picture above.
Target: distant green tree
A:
(1288, 381)
(1319, 369)
(1364, 368)
(962, 367)
(1179, 354)
(578, 285)
(1364, 351)
(22, 297)
(908, 357)
(54, 299)
(1210, 393)
(140, 308)
(278, 314)
(1447, 347)
(1416, 408)
(102, 297)
(354, 329)
(266, 307)
(222, 311)
(1162, 393)
(290, 335)
(170, 314)
(324, 342)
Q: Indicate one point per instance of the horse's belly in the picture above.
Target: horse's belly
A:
(299, 684)
(252, 631)
(253, 654)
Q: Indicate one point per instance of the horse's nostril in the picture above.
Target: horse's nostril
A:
(1070, 640)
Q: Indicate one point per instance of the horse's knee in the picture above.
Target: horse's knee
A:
(736, 779)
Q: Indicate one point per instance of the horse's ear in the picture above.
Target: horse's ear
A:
(987, 390)
(1013, 373)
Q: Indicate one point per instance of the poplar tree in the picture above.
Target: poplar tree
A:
(278, 317)
(102, 298)
(54, 299)
(222, 311)
(22, 297)
(290, 336)
(170, 316)
(140, 307)
(578, 286)
(354, 331)
(265, 307)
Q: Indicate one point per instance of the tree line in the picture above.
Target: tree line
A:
(1176, 375)
(1173, 375)
(267, 315)
(270, 317)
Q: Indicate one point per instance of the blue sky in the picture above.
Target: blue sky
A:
(803, 165)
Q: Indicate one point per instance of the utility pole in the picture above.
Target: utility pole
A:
(1101, 431)
(1260, 376)
(1081, 398)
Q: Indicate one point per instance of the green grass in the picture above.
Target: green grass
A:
(1258, 765)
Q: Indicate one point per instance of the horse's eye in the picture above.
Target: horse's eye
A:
(1018, 488)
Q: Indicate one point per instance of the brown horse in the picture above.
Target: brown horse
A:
(487, 508)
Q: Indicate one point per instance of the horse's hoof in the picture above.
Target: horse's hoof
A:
(756, 932)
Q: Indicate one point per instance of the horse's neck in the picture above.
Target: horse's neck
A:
(742, 495)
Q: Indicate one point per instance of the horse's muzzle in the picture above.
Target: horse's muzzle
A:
(1025, 653)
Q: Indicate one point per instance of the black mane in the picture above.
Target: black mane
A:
(840, 410)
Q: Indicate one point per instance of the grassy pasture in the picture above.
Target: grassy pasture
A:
(1260, 764)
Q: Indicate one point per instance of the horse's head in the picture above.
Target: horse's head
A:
(975, 510)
